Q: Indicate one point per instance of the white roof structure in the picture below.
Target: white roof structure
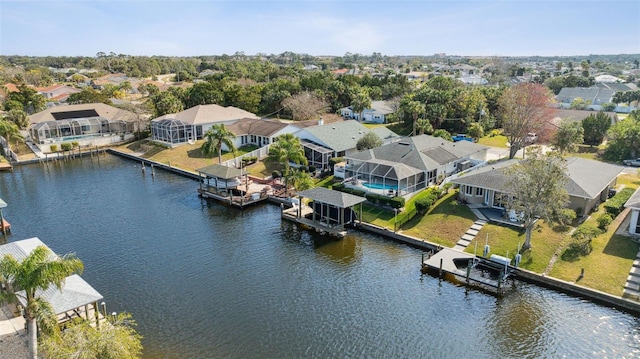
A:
(75, 293)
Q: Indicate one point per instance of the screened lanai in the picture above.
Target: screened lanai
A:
(317, 156)
(171, 131)
(386, 175)
(77, 128)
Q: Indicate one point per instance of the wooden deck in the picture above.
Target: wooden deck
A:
(5, 166)
(234, 200)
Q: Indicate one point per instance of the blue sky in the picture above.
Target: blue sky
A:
(319, 27)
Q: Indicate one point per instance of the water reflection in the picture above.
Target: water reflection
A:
(340, 250)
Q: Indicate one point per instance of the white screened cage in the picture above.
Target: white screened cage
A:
(385, 175)
(77, 128)
(171, 131)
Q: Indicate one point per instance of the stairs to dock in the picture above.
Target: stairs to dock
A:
(471, 233)
(632, 286)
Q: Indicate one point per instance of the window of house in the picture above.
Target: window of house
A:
(479, 191)
(468, 190)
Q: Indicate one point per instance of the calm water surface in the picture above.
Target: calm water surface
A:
(206, 281)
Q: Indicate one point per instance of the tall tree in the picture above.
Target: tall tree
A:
(285, 150)
(88, 95)
(476, 131)
(568, 136)
(525, 109)
(301, 180)
(360, 101)
(537, 185)
(624, 138)
(414, 109)
(39, 270)
(595, 128)
(305, 106)
(368, 141)
(424, 126)
(31, 100)
(19, 117)
(165, 103)
(215, 137)
(10, 132)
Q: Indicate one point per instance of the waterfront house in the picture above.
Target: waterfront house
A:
(634, 204)
(57, 93)
(412, 164)
(325, 141)
(91, 124)
(257, 132)
(377, 113)
(189, 125)
(588, 185)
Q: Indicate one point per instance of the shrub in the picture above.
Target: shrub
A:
(66, 146)
(423, 204)
(312, 169)
(397, 202)
(615, 205)
(334, 160)
(579, 212)
(53, 148)
(566, 216)
(249, 160)
(604, 220)
(276, 174)
(75, 144)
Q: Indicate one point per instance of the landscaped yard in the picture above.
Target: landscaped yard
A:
(444, 224)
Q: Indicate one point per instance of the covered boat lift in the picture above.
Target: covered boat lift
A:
(329, 211)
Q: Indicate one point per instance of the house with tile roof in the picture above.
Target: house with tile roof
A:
(376, 114)
(413, 163)
(633, 203)
(325, 141)
(57, 93)
(189, 125)
(588, 185)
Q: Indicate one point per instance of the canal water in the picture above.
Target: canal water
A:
(207, 281)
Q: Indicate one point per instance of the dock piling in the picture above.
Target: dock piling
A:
(440, 271)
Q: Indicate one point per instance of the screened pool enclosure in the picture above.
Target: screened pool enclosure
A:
(396, 178)
(172, 131)
(77, 129)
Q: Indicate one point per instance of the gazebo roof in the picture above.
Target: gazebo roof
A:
(221, 171)
(331, 197)
(75, 293)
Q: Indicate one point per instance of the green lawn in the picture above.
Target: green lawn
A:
(444, 224)
(504, 240)
(494, 141)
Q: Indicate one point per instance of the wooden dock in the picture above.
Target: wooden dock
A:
(6, 166)
(239, 201)
(468, 268)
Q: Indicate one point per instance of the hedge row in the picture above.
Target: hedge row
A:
(424, 203)
(394, 202)
(615, 205)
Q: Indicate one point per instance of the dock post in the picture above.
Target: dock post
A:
(500, 280)
(440, 272)
(468, 270)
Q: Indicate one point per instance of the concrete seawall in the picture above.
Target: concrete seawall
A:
(570, 288)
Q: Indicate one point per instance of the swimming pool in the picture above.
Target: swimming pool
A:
(379, 186)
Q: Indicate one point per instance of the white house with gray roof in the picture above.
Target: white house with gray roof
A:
(412, 164)
(634, 204)
(376, 114)
(594, 96)
(589, 183)
(338, 139)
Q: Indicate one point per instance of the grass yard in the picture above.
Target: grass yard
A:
(607, 266)
(503, 240)
(586, 151)
(494, 141)
(444, 224)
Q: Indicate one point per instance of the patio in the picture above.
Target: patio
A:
(501, 216)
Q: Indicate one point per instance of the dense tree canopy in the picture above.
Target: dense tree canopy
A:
(624, 138)
(568, 136)
(595, 128)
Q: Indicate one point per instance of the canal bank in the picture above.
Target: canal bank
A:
(530, 277)
(251, 285)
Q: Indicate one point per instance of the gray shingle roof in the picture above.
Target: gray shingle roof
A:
(423, 152)
(587, 178)
(339, 136)
(253, 126)
(220, 171)
(331, 197)
(634, 200)
(103, 110)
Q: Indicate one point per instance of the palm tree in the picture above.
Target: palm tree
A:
(424, 125)
(360, 101)
(215, 137)
(10, 131)
(285, 150)
(37, 271)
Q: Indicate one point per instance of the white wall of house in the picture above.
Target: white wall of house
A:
(634, 228)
